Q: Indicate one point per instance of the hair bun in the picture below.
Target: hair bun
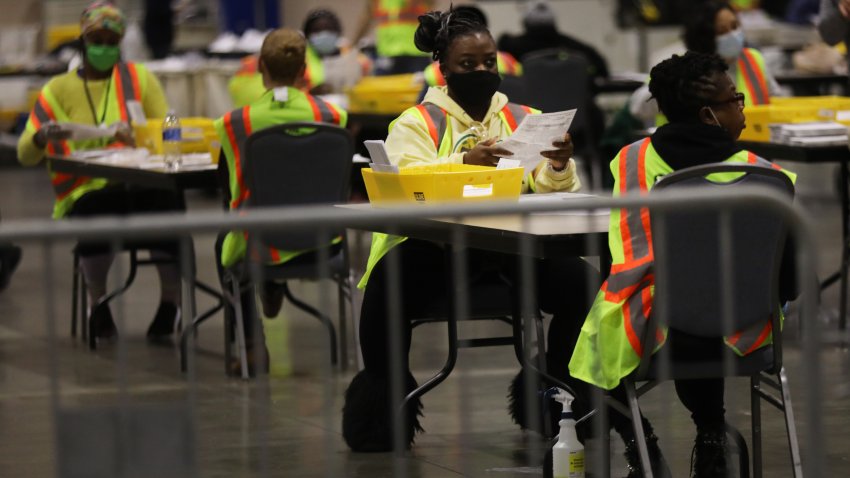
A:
(425, 38)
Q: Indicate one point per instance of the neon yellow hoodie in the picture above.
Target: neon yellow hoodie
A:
(410, 144)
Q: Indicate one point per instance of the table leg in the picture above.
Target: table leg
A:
(845, 236)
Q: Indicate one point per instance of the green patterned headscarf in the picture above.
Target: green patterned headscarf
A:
(103, 15)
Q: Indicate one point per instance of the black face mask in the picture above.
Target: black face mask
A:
(475, 88)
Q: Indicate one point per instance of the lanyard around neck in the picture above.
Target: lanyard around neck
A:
(91, 103)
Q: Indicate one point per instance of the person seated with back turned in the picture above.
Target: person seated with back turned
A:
(706, 117)
(475, 116)
(281, 64)
(97, 94)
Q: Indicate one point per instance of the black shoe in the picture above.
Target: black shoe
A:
(518, 407)
(271, 297)
(101, 324)
(167, 315)
(10, 257)
(708, 458)
(368, 414)
(656, 459)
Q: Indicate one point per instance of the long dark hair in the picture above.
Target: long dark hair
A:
(699, 32)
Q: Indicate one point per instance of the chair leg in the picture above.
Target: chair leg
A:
(755, 404)
(790, 426)
(637, 423)
(343, 317)
(240, 330)
(326, 321)
(84, 309)
(75, 295)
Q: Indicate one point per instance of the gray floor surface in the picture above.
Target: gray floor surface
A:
(127, 407)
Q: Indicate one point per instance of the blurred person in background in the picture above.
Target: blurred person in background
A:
(159, 27)
(332, 65)
(395, 23)
(834, 23)
(97, 93)
(541, 33)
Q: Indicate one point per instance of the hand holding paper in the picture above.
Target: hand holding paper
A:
(538, 134)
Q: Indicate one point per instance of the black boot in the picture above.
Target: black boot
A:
(167, 316)
(518, 407)
(101, 324)
(708, 458)
(368, 414)
(656, 459)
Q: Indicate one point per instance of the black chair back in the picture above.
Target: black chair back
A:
(689, 256)
(298, 164)
(557, 80)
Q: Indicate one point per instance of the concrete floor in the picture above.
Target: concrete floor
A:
(127, 408)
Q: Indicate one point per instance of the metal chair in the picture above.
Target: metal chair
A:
(296, 164)
(79, 293)
(557, 80)
(701, 258)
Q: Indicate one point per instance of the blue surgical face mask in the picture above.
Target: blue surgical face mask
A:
(325, 42)
(730, 45)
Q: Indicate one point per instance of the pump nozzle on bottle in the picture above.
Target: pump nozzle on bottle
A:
(568, 453)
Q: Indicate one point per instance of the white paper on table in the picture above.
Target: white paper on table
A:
(82, 132)
(549, 198)
(535, 134)
(505, 163)
(380, 158)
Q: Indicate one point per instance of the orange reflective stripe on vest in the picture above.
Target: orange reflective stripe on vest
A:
(754, 78)
(410, 12)
(63, 184)
(752, 158)
(435, 119)
(42, 113)
(507, 63)
(126, 87)
(238, 126)
(513, 115)
(633, 279)
(322, 111)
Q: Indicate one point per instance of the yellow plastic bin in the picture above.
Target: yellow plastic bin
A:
(385, 94)
(196, 134)
(442, 183)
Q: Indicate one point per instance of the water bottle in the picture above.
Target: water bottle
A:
(171, 140)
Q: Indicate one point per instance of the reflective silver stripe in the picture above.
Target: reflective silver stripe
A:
(325, 110)
(518, 112)
(636, 316)
(750, 336)
(639, 241)
(240, 132)
(750, 70)
(621, 280)
(126, 79)
(439, 118)
(40, 113)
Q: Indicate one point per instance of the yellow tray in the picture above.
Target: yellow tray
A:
(443, 183)
(385, 94)
(799, 109)
(197, 134)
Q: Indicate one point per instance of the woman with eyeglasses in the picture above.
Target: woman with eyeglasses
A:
(459, 123)
(706, 116)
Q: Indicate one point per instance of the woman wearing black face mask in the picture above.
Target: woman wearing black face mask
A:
(459, 124)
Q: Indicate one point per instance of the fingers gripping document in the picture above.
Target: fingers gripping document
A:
(535, 134)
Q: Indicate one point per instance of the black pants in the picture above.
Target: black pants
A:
(118, 200)
(562, 289)
(702, 397)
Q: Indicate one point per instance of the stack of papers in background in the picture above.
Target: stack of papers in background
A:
(809, 134)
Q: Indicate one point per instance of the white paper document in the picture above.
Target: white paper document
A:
(379, 156)
(81, 132)
(536, 133)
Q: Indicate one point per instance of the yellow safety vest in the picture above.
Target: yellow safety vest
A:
(397, 23)
(611, 342)
(235, 127)
(128, 83)
(439, 129)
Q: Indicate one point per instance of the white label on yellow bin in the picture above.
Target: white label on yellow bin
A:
(477, 190)
(842, 115)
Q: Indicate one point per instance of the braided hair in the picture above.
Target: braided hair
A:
(682, 85)
(699, 32)
(437, 30)
(320, 14)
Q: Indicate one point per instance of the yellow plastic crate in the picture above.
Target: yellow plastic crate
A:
(799, 109)
(196, 133)
(59, 34)
(443, 183)
(385, 94)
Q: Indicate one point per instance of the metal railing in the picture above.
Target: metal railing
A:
(137, 434)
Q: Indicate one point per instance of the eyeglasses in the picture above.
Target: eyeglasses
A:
(738, 98)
